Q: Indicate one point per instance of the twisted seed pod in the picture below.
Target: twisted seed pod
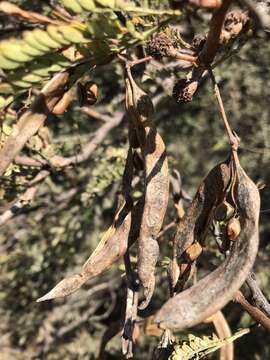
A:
(156, 191)
(121, 234)
(210, 192)
(213, 292)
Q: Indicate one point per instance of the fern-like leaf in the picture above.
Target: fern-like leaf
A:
(198, 347)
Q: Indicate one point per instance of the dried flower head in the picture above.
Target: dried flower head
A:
(198, 42)
(159, 46)
(184, 90)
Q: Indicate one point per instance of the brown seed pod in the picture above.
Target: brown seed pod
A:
(214, 291)
(223, 211)
(233, 229)
(87, 93)
(210, 192)
(120, 235)
(156, 179)
(63, 104)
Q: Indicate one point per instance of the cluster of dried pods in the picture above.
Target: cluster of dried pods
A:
(227, 202)
(227, 196)
(142, 220)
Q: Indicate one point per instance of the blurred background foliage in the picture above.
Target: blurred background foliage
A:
(55, 235)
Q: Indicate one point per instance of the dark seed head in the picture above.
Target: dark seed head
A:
(184, 90)
(198, 42)
(159, 46)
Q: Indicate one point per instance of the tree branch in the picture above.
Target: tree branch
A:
(31, 120)
(212, 44)
(25, 199)
(253, 311)
(13, 10)
(257, 296)
(223, 331)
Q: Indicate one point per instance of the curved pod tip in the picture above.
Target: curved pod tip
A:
(64, 287)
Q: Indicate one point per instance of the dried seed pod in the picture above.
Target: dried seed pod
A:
(156, 177)
(210, 192)
(210, 4)
(186, 309)
(120, 235)
(193, 251)
(233, 228)
(224, 211)
(63, 103)
(87, 93)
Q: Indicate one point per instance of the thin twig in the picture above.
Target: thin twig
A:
(93, 113)
(87, 150)
(223, 331)
(233, 140)
(265, 211)
(253, 311)
(169, 226)
(131, 309)
(31, 120)
(59, 162)
(212, 44)
(13, 10)
(257, 296)
(27, 161)
(25, 199)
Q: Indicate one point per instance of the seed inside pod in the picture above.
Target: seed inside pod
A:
(233, 229)
(87, 93)
(63, 103)
(173, 272)
(193, 251)
(223, 211)
(183, 268)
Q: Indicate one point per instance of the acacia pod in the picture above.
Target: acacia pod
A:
(224, 211)
(121, 234)
(233, 229)
(210, 192)
(214, 291)
(63, 104)
(156, 190)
